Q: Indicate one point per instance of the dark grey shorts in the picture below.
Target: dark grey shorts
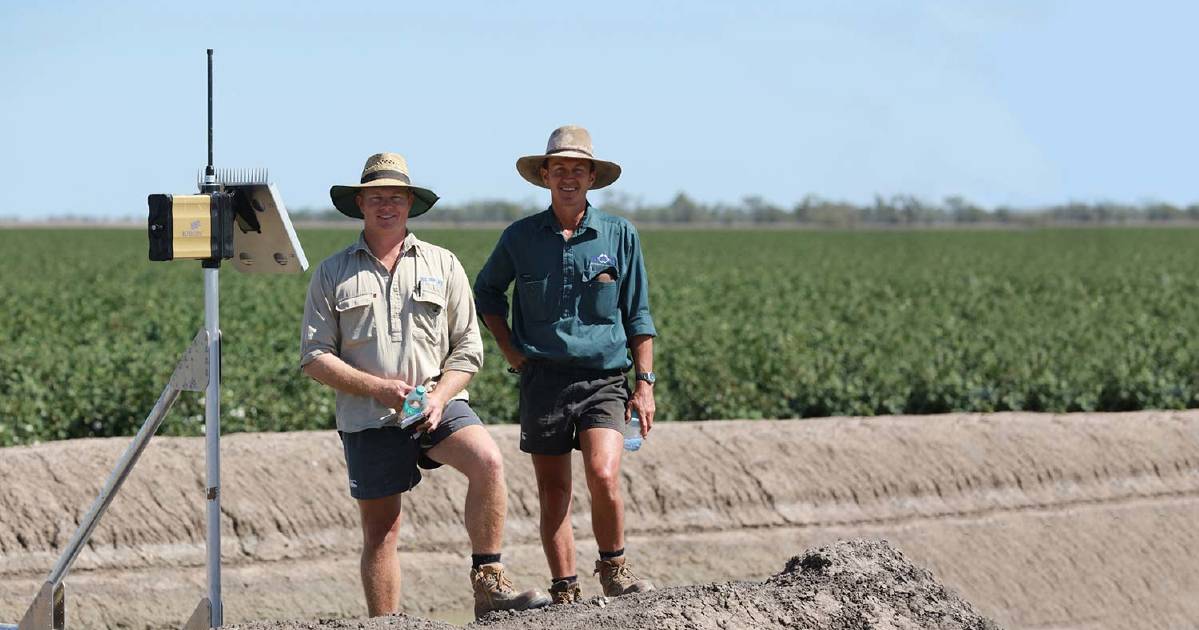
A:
(558, 402)
(385, 461)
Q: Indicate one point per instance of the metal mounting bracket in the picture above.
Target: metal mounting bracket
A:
(48, 610)
(191, 373)
(201, 618)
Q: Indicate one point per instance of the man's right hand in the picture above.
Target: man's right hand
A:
(515, 359)
(390, 392)
(498, 325)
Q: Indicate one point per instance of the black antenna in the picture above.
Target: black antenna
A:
(209, 170)
(210, 187)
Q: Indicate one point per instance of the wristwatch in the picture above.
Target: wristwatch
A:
(648, 377)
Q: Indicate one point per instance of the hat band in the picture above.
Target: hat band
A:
(564, 149)
(400, 175)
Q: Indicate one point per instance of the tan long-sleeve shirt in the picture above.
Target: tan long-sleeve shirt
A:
(413, 323)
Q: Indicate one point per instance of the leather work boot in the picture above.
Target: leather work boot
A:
(493, 591)
(618, 579)
(565, 592)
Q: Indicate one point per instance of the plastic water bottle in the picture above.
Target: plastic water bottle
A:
(414, 402)
(632, 433)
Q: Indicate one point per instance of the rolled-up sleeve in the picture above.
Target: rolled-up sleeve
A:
(466, 343)
(634, 292)
(491, 285)
(319, 333)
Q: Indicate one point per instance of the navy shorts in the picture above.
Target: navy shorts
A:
(386, 461)
(557, 402)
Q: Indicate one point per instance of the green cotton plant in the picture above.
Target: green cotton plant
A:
(752, 324)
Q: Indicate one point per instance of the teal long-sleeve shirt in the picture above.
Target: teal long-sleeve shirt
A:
(577, 301)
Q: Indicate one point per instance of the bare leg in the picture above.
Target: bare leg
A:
(557, 534)
(380, 559)
(601, 460)
(472, 452)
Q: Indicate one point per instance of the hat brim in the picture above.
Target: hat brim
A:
(344, 197)
(529, 168)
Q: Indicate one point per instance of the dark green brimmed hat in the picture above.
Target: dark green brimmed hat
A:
(382, 169)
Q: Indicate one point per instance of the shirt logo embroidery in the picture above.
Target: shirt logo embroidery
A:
(431, 282)
(600, 263)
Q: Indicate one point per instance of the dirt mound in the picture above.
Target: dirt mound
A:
(850, 584)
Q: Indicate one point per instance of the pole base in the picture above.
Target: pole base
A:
(48, 610)
(201, 618)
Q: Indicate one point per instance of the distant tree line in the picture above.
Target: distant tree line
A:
(897, 210)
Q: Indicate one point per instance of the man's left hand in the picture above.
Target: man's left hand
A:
(643, 402)
(434, 406)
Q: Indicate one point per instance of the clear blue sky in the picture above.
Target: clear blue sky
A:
(1017, 103)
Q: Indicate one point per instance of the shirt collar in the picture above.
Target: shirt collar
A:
(548, 220)
(360, 244)
(410, 242)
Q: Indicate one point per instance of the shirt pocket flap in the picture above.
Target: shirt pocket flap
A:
(430, 298)
(354, 301)
(598, 273)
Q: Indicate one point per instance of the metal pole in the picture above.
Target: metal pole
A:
(212, 440)
(109, 492)
(212, 396)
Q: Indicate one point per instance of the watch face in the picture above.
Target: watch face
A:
(648, 377)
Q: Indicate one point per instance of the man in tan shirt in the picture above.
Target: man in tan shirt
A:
(384, 315)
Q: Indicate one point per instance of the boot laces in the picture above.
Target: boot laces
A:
(497, 582)
(623, 575)
(620, 574)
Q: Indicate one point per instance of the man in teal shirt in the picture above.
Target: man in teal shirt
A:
(580, 305)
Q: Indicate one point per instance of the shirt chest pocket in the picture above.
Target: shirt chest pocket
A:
(535, 305)
(428, 315)
(598, 303)
(356, 318)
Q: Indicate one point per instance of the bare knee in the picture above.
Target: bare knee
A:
(604, 477)
(487, 465)
(380, 523)
(554, 483)
(375, 538)
(473, 453)
(554, 492)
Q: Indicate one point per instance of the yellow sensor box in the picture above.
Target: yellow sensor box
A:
(191, 227)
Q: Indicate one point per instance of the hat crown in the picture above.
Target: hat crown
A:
(568, 141)
(393, 165)
(569, 138)
(381, 170)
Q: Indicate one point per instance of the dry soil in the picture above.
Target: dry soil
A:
(1039, 521)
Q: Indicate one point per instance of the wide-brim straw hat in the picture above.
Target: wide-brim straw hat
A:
(382, 169)
(570, 141)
